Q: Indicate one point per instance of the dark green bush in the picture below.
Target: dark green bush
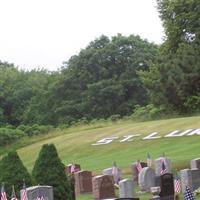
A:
(49, 170)
(13, 172)
(148, 112)
(8, 136)
(114, 118)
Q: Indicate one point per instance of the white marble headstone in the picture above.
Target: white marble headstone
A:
(126, 189)
(146, 179)
(158, 165)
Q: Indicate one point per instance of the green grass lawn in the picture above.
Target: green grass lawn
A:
(74, 145)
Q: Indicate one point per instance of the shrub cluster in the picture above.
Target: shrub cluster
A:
(10, 134)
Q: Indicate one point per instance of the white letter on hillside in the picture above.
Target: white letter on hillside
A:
(195, 132)
(177, 134)
(105, 141)
(127, 138)
(151, 136)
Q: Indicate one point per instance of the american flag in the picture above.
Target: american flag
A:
(138, 166)
(188, 195)
(163, 167)
(39, 196)
(115, 173)
(177, 185)
(149, 161)
(72, 168)
(13, 196)
(3, 193)
(24, 192)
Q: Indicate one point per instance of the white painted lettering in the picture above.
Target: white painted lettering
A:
(151, 136)
(127, 138)
(177, 133)
(105, 141)
(194, 132)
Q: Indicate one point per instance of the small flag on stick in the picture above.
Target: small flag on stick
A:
(138, 166)
(24, 192)
(163, 167)
(177, 185)
(3, 193)
(188, 195)
(149, 160)
(13, 196)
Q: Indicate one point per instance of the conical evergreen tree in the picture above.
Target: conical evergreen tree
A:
(13, 172)
(49, 170)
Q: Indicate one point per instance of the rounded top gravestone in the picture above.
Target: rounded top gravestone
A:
(146, 179)
(158, 165)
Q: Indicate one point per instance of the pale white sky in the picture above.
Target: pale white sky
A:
(44, 33)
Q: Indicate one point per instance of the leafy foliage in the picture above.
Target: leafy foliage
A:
(49, 170)
(8, 135)
(174, 79)
(102, 81)
(13, 172)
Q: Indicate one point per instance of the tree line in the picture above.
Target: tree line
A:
(117, 76)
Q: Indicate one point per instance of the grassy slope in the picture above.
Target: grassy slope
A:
(74, 145)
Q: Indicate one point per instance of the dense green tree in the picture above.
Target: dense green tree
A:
(49, 170)
(174, 79)
(13, 172)
(102, 79)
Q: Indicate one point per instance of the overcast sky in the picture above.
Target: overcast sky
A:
(44, 33)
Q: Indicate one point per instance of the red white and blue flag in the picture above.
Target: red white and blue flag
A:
(24, 192)
(188, 195)
(3, 193)
(13, 196)
(163, 167)
(177, 185)
(39, 195)
(73, 168)
(138, 166)
(149, 160)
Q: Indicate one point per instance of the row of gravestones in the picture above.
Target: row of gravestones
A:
(149, 177)
(102, 186)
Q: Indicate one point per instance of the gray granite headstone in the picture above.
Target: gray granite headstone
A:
(135, 172)
(103, 187)
(116, 177)
(107, 171)
(158, 165)
(33, 192)
(195, 163)
(126, 189)
(146, 179)
(190, 178)
(167, 187)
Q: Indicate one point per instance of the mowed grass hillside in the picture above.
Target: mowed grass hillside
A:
(75, 144)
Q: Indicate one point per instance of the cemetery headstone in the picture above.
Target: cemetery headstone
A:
(146, 179)
(33, 192)
(190, 178)
(126, 189)
(107, 171)
(167, 187)
(195, 163)
(68, 168)
(83, 182)
(103, 187)
(155, 191)
(158, 165)
(135, 171)
(115, 173)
